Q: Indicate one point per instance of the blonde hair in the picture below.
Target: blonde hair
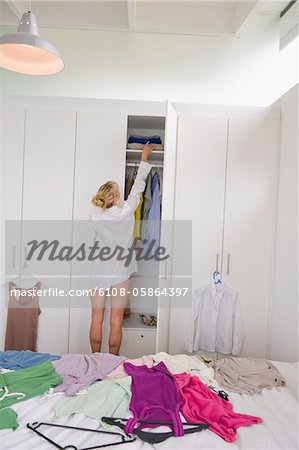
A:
(105, 196)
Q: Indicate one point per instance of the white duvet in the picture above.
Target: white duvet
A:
(277, 407)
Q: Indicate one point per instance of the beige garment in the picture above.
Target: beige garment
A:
(22, 319)
(247, 375)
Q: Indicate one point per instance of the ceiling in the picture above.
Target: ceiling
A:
(197, 17)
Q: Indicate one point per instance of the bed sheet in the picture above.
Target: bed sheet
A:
(277, 407)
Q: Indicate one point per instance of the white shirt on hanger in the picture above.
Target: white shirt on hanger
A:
(215, 322)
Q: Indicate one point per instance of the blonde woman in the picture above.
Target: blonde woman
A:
(111, 225)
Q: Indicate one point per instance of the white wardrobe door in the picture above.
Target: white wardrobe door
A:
(199, 197)
(162, 341)
(250, 222)
(48, 195)
(49, 164)
(12, 148)
(100, 156)
(13, 125)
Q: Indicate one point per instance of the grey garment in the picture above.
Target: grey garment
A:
(146, 205)
(147, 198)
(247, 375)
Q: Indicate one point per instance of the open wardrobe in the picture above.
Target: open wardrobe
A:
(213, 181)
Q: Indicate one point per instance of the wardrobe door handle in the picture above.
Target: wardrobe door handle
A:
(13, 256)
(165, 271)
(228, 264)
(217, 262)
(25, 254)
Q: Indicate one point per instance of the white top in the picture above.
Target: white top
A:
(215, 322)
(114, 227)
(185, 363)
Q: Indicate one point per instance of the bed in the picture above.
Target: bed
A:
(278, 407)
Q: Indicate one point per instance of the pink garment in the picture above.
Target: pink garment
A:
(120, 372)
(202, 405)
(155, 397)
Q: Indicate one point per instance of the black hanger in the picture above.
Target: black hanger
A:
(154, 438)
(35, 425)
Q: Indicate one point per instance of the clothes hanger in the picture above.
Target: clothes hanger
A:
(217, 277)
(7, 394)
(35, 425)
(154, 437)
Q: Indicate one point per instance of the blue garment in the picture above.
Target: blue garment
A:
(154, 217)
(15, 360)
(143, 140)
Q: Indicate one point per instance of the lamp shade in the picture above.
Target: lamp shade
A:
(26, 52)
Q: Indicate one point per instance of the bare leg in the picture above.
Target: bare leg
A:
(97, 317)
(118, 305)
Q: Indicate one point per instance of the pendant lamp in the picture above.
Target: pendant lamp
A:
(26, 52)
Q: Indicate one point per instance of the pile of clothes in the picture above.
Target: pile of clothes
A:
(177, 391)
(137, 142)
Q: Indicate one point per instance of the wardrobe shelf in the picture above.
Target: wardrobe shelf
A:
(135, 155)
(155, 152)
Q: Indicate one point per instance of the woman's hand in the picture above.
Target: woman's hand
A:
(147, 150)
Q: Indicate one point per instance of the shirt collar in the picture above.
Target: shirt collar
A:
(214, 291)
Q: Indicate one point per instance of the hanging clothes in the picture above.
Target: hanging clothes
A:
(200, 404)
(15, 360)
(215, 323)
(137, 226)
(247, 375)
(81, 370)
(147, 200)
(155, 397)
(128, 184)
(22, 318)
(154, 216)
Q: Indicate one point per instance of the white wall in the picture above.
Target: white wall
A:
(283, 332)
(122, 65)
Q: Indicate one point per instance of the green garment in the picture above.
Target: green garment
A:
(31, 381)
(8, 419)
(109, 398)
(146, 205)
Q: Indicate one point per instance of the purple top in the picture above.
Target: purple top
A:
(155, 397)
(80, 370)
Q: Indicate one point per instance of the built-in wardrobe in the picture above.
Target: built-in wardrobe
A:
(226, 183)
(55, 157)
(219, 167)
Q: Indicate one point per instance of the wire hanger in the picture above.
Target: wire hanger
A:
(35, 425)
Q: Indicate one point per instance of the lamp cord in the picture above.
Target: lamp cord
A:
(29, 6)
